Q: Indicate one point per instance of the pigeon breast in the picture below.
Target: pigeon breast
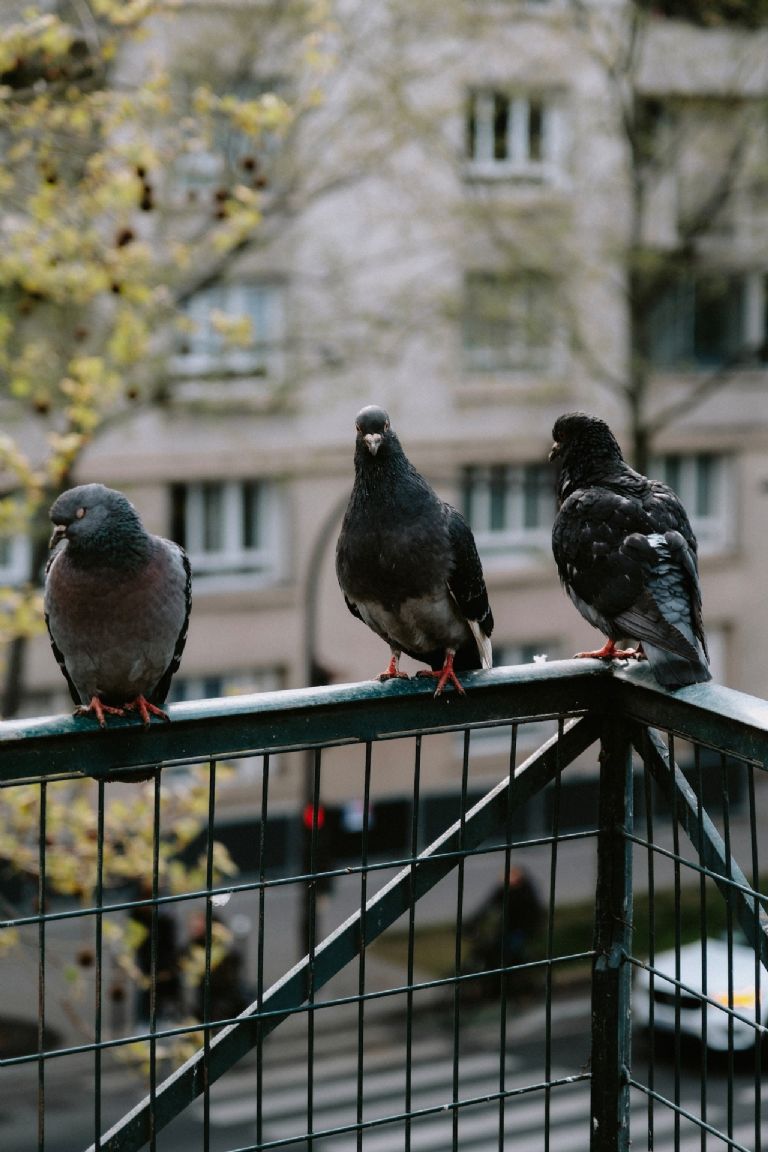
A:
(118, 631)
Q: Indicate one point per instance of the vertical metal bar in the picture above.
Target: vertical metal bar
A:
(611, 1018)
(504, 978)
(677, 924)
(154, 939)
(361, 960)
(650, 794)
(553, 861)
(408, 1102)
(729, 922)
(703, 934)
(99, 973)
(460, 870)
(311, 941)
(758, 1053)
(41, 907)
(261, 946)
(208, 948)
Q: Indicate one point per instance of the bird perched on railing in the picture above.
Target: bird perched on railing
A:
(407, 563)
(117, 603)
(626, 553)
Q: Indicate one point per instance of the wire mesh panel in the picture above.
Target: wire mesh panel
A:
(243, 930)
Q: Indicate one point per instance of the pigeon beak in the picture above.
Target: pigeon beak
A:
(59, 532)
(554, 451)
(372, 442)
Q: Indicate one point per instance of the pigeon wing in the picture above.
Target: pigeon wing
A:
(586, 541)
(175, 556)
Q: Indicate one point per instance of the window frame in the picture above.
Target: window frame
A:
(526, 304)
(235, 562)
(16, 569)
(482, 108)
(714, 530)
(515, 540)
(263, 302)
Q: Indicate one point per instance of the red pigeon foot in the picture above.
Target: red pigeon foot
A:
(98, 708)
(445, 675)
(393, 672)
(609, 651)
(146, 710)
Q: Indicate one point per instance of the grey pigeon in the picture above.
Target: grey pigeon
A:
(407, 562)
(626, 553)
(117, 603)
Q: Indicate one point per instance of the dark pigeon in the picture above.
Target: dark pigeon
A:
(626, 553)
(117, 604)
(407, 562)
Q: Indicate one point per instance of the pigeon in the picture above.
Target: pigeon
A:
(117, 603)
(407, 563)
(626, 554)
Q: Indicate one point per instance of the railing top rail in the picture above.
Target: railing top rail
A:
(279, 721)
(351, 713)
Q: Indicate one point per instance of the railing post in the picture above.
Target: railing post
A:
(611, 974)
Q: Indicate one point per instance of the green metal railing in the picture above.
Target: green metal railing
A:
(679, 789)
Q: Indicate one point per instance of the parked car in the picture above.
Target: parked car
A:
(690, 1018)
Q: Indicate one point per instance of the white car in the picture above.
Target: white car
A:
(690, 1019)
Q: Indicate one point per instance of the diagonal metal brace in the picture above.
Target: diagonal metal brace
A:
(698, 826)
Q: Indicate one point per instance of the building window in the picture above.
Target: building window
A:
(224, 684)
(704, 483)
(232, 153)
(234, 329)
(510, 508)
(512, 135)
(708, 319)
(508, 323)
(15, 559)
(230, 527)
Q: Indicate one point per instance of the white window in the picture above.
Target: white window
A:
(513, 135)
(510, 508)
(707, 319)
(234, 329)
(230, 528)
(15, 559)
(509, 323)
(704, 483)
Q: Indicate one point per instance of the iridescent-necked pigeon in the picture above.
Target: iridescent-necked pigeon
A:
(626, 554)
(407, 562)
(117, 604)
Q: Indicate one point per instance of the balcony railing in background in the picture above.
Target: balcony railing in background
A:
(444, 1046)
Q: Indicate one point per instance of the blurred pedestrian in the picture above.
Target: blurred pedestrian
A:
(500, 932)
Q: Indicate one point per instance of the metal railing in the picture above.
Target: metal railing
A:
(638, 817)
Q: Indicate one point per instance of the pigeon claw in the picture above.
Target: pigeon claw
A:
(392, 671)
(146, 710)
(446, 675)
(609, 651)
(98, 709)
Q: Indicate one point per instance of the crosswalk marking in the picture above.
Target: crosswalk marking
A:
(336, 1086)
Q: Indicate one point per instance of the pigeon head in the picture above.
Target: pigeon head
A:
(584, 449)
(96, 521)
(373, 429)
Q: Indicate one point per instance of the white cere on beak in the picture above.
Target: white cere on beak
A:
(373, 442)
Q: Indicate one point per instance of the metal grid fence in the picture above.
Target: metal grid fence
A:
(367, 1017)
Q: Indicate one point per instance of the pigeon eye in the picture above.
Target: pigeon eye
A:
(386, 425)
(80, 513)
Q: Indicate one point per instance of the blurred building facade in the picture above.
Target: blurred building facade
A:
(452, 232)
